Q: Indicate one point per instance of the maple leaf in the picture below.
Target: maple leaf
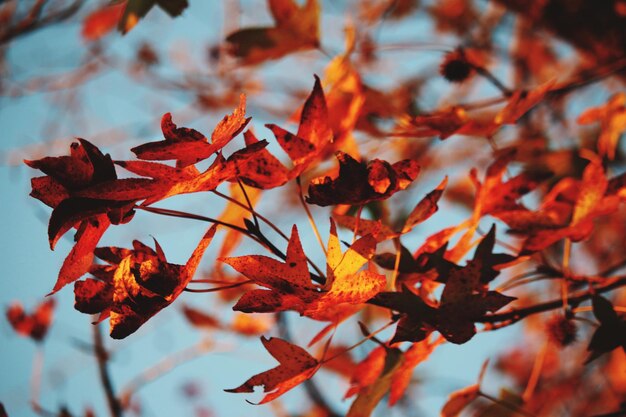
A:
(357, 183)
(425, 208)
(314, 134)
(612, 331)
(370, 395)
(590, 201)
(102, 21)
(424, 262)
(296, 28)
(170, 181)
(612, 118)
(34, 325)
(263, 171)
(68, 177)
(188, 146)
(289, 285)
(137, 9)
(296, 365)
(141, 284)
(464, 299)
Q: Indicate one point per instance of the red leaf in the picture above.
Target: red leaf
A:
(34, 325)
(296, 365)
(102, 21)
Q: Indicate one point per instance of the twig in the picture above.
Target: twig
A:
(308, 213)
(516, 315)
(102, 357)
(165, 366)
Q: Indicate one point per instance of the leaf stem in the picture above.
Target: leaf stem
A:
(359, 343)
(308, 214)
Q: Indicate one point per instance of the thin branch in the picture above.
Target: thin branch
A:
(517, 314)
(102, 357)
(165, 366)
(310, 217)
(33, 21)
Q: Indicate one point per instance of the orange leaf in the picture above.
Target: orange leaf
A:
(102, 21)
(77, 262)
(142, 284)
(296, 365)
(416, 354)
(459, 400)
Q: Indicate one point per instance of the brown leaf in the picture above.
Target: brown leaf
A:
(359, 184)
(200, 319)
(296, 365)
(297, 28)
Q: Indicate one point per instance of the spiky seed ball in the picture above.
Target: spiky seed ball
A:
(562, 330)
(455, 67)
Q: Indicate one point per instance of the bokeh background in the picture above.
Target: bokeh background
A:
(57, 86)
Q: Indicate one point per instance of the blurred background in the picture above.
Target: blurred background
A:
(64, 79)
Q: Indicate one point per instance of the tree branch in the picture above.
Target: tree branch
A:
(102, 357)
(516, 315)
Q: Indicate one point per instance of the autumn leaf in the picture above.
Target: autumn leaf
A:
(296, 365)
(296, 28)
(141, 285)
(102, 21)
(591, 201)
(523, 101)
(289, 285)
(371, 395)
(69, 176)
(200, 319)
(34, 325)
(425, 208)
(137, 9)
(612, 118)
(188, 146)
(416, 354)
(612, 331)
(464, 301)
(459, 400)
(358, 183)
(264, 171)
(314, 133)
